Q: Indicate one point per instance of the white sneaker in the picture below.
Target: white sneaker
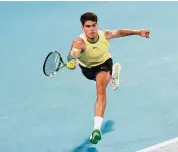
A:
(114, 82)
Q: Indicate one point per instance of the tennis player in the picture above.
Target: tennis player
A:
(90, 51)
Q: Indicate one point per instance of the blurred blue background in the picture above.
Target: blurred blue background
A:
(55, 114)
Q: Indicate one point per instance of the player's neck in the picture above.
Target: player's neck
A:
(93, 40)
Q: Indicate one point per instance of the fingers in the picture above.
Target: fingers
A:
(147, 34)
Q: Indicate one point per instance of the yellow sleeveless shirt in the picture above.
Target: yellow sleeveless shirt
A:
(95, 53)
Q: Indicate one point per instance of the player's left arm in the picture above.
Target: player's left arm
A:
(110, 34)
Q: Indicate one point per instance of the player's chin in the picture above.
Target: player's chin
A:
(92, 36)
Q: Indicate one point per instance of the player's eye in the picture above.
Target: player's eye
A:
(94, 25)
(87, 26)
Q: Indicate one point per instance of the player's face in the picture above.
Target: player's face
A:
(90, 29)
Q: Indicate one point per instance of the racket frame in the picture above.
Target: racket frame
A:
(58, 67)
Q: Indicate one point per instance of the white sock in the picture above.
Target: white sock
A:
(97, 122)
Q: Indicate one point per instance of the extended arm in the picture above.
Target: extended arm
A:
(77, 46)
(109, 34)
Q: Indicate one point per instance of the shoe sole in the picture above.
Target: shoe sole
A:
(115, 75)
(117, 69)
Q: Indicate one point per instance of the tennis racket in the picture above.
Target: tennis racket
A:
(53, 63)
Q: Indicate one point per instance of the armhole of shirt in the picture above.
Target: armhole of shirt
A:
(103, 34)
(82, 36)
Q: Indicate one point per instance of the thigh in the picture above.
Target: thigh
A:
(103, 76)
(102, 80)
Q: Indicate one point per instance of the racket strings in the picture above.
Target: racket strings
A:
(52, 63)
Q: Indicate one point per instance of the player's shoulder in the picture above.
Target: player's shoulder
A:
(107, 33)
(79, 40)
(78, 43)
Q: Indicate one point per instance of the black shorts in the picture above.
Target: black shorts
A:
(90, 73)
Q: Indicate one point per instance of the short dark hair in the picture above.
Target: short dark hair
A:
(88, 17)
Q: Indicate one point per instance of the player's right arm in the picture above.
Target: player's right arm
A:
(77, 47)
